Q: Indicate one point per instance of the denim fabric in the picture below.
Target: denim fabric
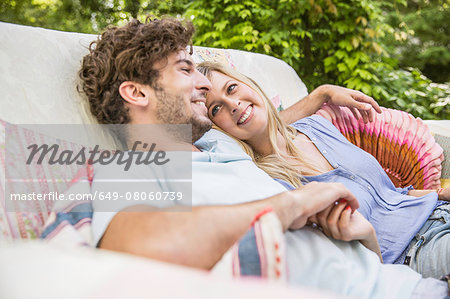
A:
(249, 258)
(76, 214)
(429, 251)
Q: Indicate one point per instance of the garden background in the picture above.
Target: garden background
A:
(397, 51)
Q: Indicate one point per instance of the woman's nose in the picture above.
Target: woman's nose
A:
(235, 106)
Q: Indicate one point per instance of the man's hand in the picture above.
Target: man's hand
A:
(360, 104)
(314, 198)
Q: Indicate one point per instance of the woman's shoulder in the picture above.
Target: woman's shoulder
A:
(319, 126)
(314, 121)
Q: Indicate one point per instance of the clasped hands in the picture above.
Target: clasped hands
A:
(338, 222)
(332, 207)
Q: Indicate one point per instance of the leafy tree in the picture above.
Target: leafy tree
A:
(88, 16)
(326, 41)
(422, 36)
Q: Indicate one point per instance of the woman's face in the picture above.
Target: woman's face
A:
(236, 108)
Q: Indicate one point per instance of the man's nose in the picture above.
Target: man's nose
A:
(201, 82)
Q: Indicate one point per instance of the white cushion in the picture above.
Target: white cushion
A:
(38, 75)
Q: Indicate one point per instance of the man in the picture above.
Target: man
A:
(142, 74)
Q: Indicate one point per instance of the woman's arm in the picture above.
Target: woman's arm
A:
(359, 103)
(371, 243)
(443, 193)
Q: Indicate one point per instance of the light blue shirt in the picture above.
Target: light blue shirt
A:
(396, 217)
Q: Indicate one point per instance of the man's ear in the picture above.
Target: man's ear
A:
(134, 93)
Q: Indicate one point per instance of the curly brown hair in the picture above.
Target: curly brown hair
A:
(128, 53)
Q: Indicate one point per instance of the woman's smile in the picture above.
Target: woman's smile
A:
(246, 115)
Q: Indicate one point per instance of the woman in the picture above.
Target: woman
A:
(312, 149)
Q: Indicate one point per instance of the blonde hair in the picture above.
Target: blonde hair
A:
(277, 164)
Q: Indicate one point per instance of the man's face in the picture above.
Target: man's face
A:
(181, 94)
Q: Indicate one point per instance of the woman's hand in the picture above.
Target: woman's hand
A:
(313, 198)
(339, 223)
(444, 194)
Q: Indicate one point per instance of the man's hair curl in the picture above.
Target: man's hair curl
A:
(128, 53)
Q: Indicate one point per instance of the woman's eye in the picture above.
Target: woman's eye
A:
(231, 88)
(214, 110)
(187, 70)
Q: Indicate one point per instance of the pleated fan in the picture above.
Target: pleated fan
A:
(401, 143)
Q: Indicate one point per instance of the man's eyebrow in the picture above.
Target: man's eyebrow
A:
(187, 61)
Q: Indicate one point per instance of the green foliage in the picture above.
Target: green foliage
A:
(422, 36)
(323, 40)
(87, 16)
(409, 90)
(343, 42)
(339, 42)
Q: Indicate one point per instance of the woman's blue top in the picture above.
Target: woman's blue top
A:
(396, 216)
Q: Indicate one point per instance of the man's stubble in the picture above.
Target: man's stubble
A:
(172, 110)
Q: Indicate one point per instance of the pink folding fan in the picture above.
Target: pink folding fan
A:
(401, 143)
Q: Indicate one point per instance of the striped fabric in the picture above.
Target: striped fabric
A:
(27, 220)
(69, 224)
(261, 252)
(401, 143)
